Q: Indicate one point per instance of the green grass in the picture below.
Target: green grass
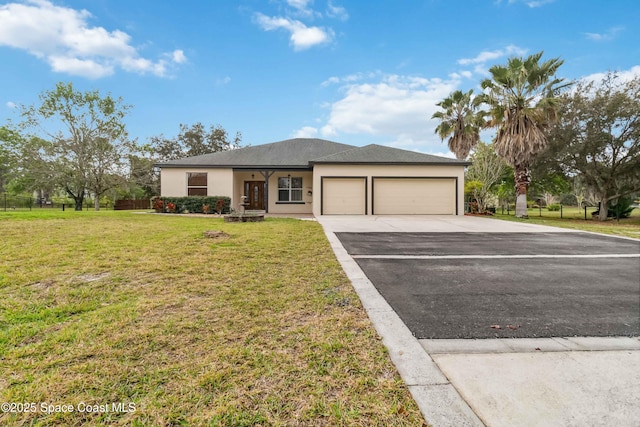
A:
(259, 328)
(574, 218)
(568, 212)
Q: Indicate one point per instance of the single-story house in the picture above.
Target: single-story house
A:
(307, 175)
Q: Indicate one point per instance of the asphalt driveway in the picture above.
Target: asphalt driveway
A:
(488, 285)
(445, 276)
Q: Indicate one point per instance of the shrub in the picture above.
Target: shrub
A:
(553, 207)
(158, 204)
(195, 204)
(622, 209)
(220, 206)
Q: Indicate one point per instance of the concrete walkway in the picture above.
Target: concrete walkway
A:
(575, 381)
(425, 224)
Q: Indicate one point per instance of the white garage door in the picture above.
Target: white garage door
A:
(344, 196)
(414, 196)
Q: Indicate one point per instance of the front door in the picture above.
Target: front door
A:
(254, 190)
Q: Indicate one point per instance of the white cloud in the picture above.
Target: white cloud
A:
(609, 35)
(302, 37)
(479, 62)
(305, 132)
(467, 74)
(79, 67)
(299, 4)
(396, 108)
(482, 70)
(490, 55)
(538, 3)
(11, 105)
(330, 81)
(623, 75)
(351, 78)
(531, 3)
(302, 9)
(448, 154)
(178, 56)
(63, 38)
(338, 12)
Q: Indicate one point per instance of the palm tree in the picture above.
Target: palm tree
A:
(461, 121)
(523, 103)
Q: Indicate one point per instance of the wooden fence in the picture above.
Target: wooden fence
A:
(122, 205)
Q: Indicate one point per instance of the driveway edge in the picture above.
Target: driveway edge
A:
(438, 400)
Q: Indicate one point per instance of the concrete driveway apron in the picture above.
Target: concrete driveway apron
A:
(500, 323)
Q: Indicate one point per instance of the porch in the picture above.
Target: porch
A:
(273, 191)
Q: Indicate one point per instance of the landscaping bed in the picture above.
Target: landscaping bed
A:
(244, 218)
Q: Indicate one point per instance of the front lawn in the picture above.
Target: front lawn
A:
(145, 321)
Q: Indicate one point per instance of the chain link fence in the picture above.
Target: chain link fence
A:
(556, 211)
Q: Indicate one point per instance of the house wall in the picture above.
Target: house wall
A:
(328, 170)
(173, 181)
(307, 186)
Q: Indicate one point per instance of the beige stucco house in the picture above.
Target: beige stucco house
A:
(323, 178)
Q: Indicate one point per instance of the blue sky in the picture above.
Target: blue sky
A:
(351, 71)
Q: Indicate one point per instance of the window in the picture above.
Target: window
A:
(197, 184)
(290, 189)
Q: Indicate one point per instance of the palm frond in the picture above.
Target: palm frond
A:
(460, 121)
(522, 104)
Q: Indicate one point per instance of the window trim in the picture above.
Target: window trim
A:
(290, 190)
(206, 186)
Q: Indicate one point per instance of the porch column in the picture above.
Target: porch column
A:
(266, 174)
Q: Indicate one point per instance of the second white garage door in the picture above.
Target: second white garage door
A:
(344, 196)
(414, 196)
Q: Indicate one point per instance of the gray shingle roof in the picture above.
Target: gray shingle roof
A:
(386, 155)
(302, 153)
(294, 153)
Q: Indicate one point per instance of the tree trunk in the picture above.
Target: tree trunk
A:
(523, 179)
(96, 203)
(604, 209)
(78, 198)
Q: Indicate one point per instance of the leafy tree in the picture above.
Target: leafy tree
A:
(9, 140)
(549, 186)
(193, 140)
(79, 141)
(486, 172)
(27, 164)
(142, 181)
(583, 194)
(598, 138)
(523, 104)
(505, 193)
(460, 121)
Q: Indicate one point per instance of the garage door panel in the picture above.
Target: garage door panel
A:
(414, 196)
(343, 196)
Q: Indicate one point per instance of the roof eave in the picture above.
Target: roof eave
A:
(237, 167)
(394, 163)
